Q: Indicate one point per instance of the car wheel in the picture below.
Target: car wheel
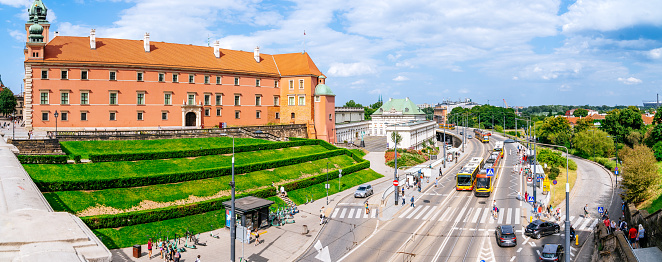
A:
(556, 230)
(537, 235)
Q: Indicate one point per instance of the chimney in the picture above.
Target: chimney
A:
(406, 98)
(57, 33)
(93, 39)
(256, 54)
(146, 42)
(217, 51)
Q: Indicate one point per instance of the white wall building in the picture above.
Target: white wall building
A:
(394, 111)
(349, 114)
(413, 133)
(352, 132)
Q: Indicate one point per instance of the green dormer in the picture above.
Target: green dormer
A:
(37, 12)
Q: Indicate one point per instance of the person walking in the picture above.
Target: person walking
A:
(322, 215)
(257, 238)
(403, 191)
(403, 199)
(607, 224)
(640, 237)
(412, 201)
(149, 248)
(632, 233)
(586, 214)
(198, 259)
(367, 209)
(435, 183)
(440, 173)
(613, 226)
(526, 195)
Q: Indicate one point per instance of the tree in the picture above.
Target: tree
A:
(657, 119)
(594, 142)
(580, 112)
(395, 137)
(555, 130)
(7, 101)
(351, 103)
(429, 112)
(621, 122)
(640, 176)
(653, 135)
(657, 150)
(583, 124)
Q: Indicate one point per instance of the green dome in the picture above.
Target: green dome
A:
(36, 29)
(323, 90)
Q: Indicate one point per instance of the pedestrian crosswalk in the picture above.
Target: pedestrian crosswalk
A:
(353, 213)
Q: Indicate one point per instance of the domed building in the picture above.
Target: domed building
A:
(121, 84)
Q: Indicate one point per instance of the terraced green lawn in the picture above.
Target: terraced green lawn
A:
(85, 148)
(318, 191)
(113, 170)
(124, 198)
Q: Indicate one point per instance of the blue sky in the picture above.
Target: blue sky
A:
(526, 52)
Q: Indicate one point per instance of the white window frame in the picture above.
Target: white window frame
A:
(140, 115)
(191, 78)
(167, 98)
(301, 84)
(291, 100)
(47, 114)
(237, 114)
(64, 115)
(218, 80)
(112, 116)
(291, 82)
(64, 74)
(257, 82)
(42, 73)
(218, 111)
(258, 114)
(175, 78)
(207, 111)
(140, 76)
(258, 100)
(41, 99)
(84, 113)
(161, 78)
(87, 75)
(236, 80)
(189, 100)
(64, 95)
(206, 79)
(301, 98)
(138, 98)
(207, 99)
(218, 98)
(317, 99)
(112, 75)
(276, 100)
(110, 98)
(88, 97)
(237, 100)
(166, 115)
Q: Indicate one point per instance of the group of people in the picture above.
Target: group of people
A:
(167, 252)
(634, 234)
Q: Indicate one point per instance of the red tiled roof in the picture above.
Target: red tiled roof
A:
(647, 119)
(122, 52)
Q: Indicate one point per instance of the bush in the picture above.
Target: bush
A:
(553, 173)
(186, 176)
(657, 150)
(203, 152)
(152, 215)
(77, 159)
(554, 158)
(42, 159)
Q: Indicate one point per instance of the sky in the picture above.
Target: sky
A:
(597, 52)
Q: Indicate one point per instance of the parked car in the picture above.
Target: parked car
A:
(363, 191)
(505, 236)
(539, 228)
(552, 252)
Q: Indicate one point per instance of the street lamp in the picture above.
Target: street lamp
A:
(56, 115)
(233, 217)
(395, 173)
(327, 183)
(13, 126)
(567, 197)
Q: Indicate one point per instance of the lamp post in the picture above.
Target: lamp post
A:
(233, 217)
(13, 126)
(327, 183)
(567, 197)
(395, 172)
(56, 115)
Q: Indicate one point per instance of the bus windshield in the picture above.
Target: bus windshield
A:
(463, 180)
(482, 182)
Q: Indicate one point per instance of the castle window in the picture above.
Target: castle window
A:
(191, 78)
(65, 116)
(191, 99)
(44, 116)
(64, 98)
(236, 81)
(258, 114)
(112, 116)
(302, 100)
(218, 112)
(207, 99)
(44, 74)
(300, 83)
(83, 116)
(140, 99)
(140, 115)
(290, 100)
(161, 77)
(291, 84)
(206, 79)
(219, 99)
(237, 100)
(218, 80)
(277, 115)
(276, 84)
(207, 112)
(258, 100)
(237, 114)
(164, 115)
(317, 99)
(44, 98)
(292, 115)
(167, 99)
(113, 98)
(112, 76)
(65, 74)
(257, 82)
(330, 117)
(139, 76)
(175, 78)
(84, 98)
(276, 100)
(83, 74)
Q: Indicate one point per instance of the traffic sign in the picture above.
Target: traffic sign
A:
(616, 172)
(601, 210)
(530, 199)
(326, 186)
(615, 168)
(396, 183)
(490, 172)
(554, 181)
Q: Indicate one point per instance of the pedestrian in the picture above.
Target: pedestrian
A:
(640, 237)
(403, 199)
(435, 183)
(321, 215)
(412, 201)
(403, 191)
(607, 224)
(526, 195)
(367, 209)
(257, 238)
(178, 256)
(623, 225)
(440, 173)
(586, 214)
(633, 236)
(198, 259)
(282, 190)
(149, 248)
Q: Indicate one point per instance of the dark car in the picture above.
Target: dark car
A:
(505, 236)
(539, 228)
(552, 252)
(363, 191)
(508, 141)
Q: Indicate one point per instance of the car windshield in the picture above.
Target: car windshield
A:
(548, 255)
(463, 180)
(361, 188)
(482, 182)
(506, 230)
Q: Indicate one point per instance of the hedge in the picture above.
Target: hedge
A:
(200, 152)
(42, 159)
(153, 215)
(181, 177)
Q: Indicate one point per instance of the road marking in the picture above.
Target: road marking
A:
(366, 214)
(422, 212)
(538, 253)
(519, 249)
(576, 224)
(502, 211)
(512, 258)
(485, 213)
(415, 210)
(571, 218)
(594, 223)
(509, 212)
(358, 213)
(533, 244)
(429, 213)
(459, 215)
(517, 216)
(374, 213)
(351, 213)
(467, 216)
(342, 214)
(405, 213)
(435, 214)
(335, 212)
(476, 215)
(586, 221)
(448, 211)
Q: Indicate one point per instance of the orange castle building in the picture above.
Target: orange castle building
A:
(120, 84)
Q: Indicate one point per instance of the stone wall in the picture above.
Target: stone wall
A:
(275, 132)
(611, 247)
(652, 224)
(37, 146)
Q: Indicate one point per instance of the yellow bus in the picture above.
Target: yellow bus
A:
(482, 136)
(447, 126)
(465, 179)
(483, 184)
(498, 147)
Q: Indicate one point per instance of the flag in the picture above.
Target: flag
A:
(304, 32)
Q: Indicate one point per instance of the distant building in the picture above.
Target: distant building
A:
(350, 124)
(572, 111)
(394, 111)
(421, 106)
(19, 106)
(349, 114)
(413, 133)
(442, 110)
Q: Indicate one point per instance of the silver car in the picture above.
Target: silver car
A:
(363, 191)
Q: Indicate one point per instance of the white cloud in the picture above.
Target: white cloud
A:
(515, 78)
(565, 88)
(655, 53)
(18, 35)
(350, 69)
(463, 91)
(358, 82)
(16, 3)
(629, 80)
(608, 15)
(400, 78)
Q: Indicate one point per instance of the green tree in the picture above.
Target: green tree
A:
(640, 176)
(7, 101)
(594, 142)
(377, 105)
(653, 135)
(657, 150)
(429, 112)
(351, 103)
(555, 130)
(657, 119)
(583, 124)
(580, 112)
(621, 122)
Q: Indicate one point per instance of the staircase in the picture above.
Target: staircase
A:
(287, 201)
(312, 134)
(37, 146)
